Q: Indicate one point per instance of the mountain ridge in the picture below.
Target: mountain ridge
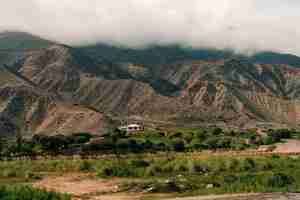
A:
(207, 87)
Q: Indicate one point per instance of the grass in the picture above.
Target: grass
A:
(19, 192)
(179, 174)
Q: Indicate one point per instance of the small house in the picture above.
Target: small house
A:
(132, 128)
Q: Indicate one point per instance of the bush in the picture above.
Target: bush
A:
(85, 166)
(29, 193)
(32, 176)
(217, 131)
(139, 163)
(230, 179)
(249, 164)
(280, 180)
(178, 145)
(153, 170)
(9, 173)
(115, 171)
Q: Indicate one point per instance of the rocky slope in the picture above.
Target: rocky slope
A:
(234, 90)
(27, 109)
(60, 88)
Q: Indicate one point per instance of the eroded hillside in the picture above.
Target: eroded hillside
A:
(234, 90)
(25, 108)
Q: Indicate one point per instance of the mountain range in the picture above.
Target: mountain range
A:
(50, 88)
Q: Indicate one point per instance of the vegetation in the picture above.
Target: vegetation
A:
(169, 54)
(176, 174)
(187, 140)
(210, 175)
(275, 136)
(20, 41)
(118, 142)
(29, 193)
(42, 144)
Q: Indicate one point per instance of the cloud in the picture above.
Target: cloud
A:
(243, 25)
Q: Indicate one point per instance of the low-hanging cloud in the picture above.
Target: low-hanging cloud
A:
(243, 25)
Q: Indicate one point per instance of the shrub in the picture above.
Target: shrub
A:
(147, 145)
(139, 163)
(229, 179)
(234, 165)
(217, 131)
(115, 171)
(85, 166)
(32, 176)
(153, 170)
(279, 180)
(29, 193)
(9, 173)
(180, 167)
(178, 145)
(249, 164)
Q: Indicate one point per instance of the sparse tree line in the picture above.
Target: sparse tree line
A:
(119, 142)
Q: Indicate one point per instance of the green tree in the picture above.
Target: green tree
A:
(2, 142)
(115, 135)
(217, 131)
(178, 145)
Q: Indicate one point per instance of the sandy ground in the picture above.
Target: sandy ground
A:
(290, 146)
(87, 187)
(84, 187)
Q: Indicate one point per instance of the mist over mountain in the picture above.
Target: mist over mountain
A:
(245, 26)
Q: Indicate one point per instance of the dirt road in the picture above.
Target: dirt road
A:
(288, 146)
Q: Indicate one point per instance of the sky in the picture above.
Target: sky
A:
(246, 26)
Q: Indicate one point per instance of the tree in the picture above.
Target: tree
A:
(178, 145)
(2, 142)
(217, 131)
(19, 140)
(115, 135)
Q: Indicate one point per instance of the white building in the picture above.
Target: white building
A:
(132, 128)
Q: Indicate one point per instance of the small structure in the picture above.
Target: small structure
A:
(132, 128)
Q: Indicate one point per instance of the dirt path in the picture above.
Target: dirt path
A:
(288, 146)
(85, 187)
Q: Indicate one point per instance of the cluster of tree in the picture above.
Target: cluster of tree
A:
(42, 144)
(118, 142)
(275, 136)
(216, 138)
(201, 139)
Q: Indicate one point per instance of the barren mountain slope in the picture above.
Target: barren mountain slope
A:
(27, 109)
(230, 90)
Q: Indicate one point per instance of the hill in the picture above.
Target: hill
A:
(164, 84)
(233, 90)
(20, 41)
(27, 109)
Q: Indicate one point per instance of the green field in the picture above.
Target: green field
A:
(175, 174)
